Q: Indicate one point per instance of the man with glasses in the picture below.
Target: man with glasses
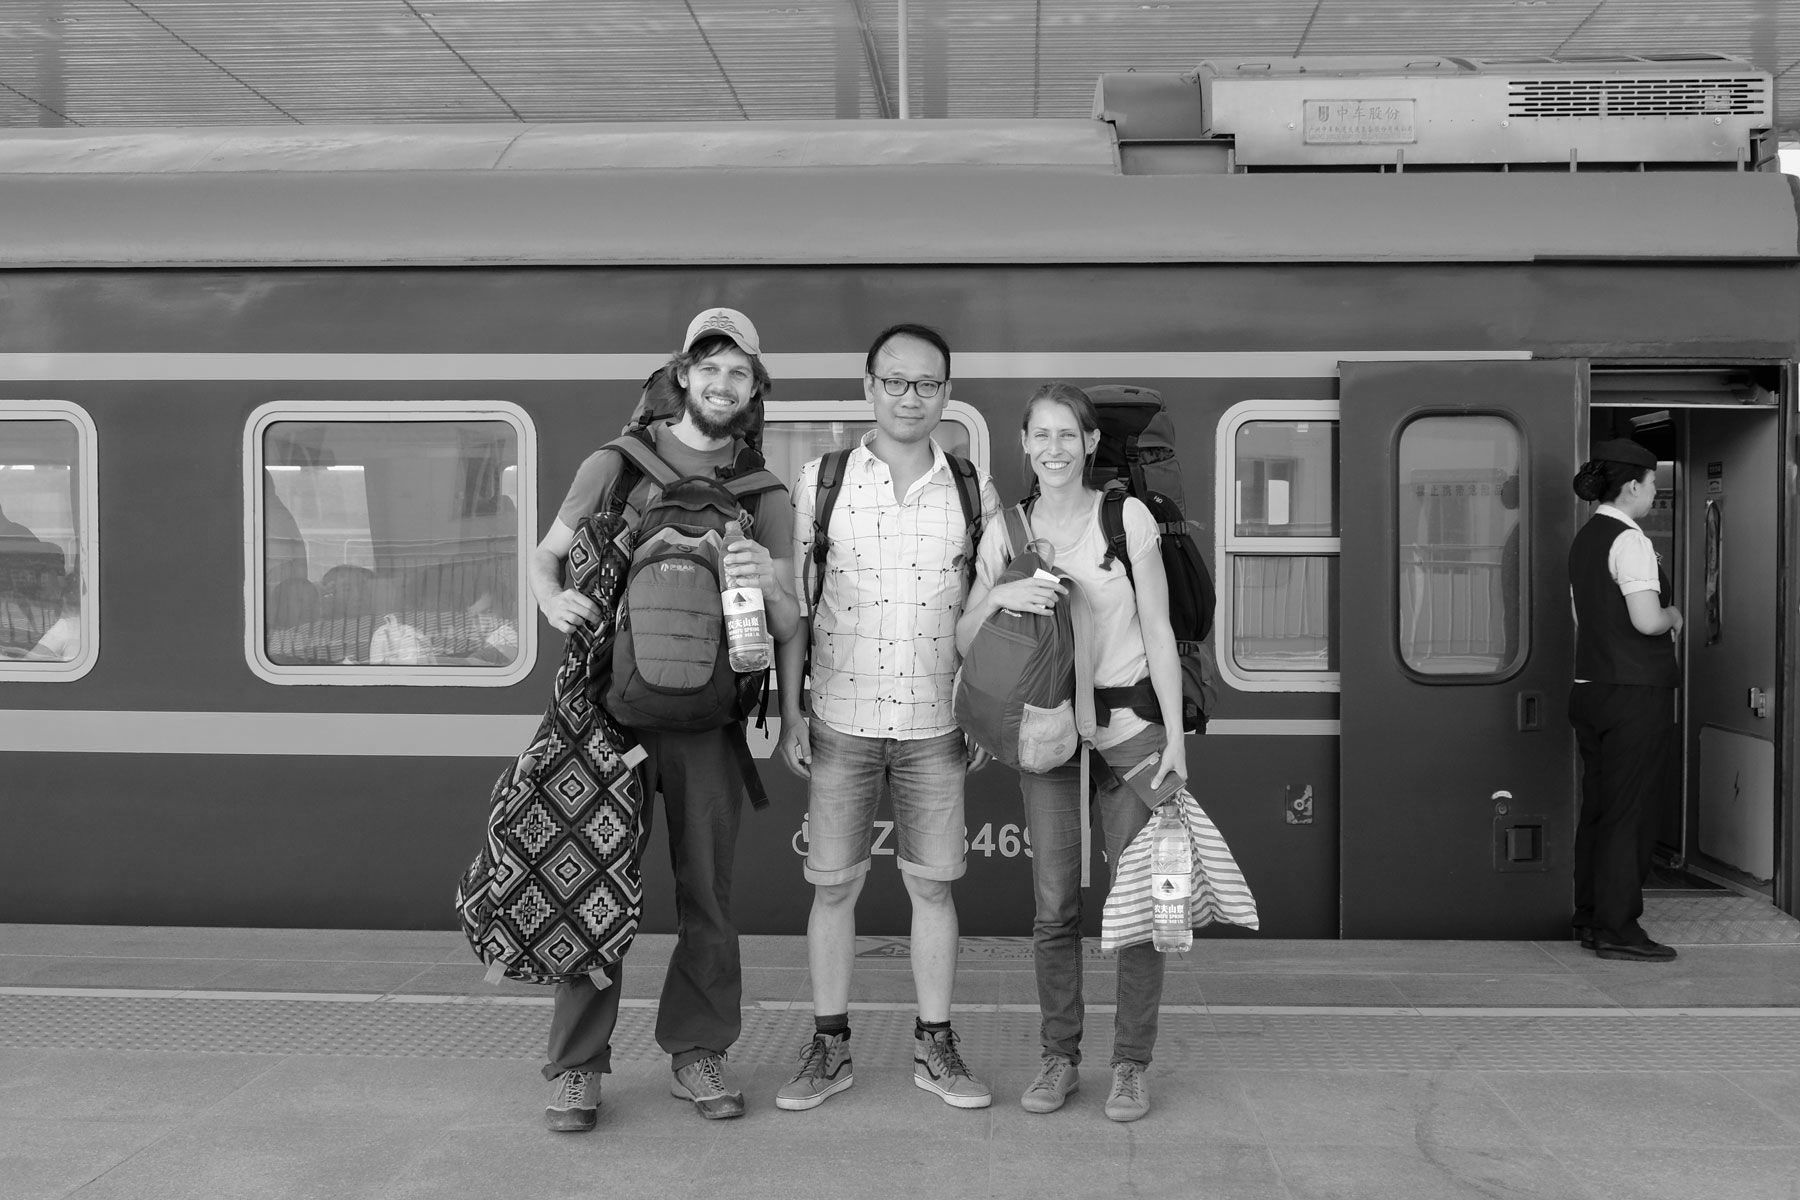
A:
(889, 587)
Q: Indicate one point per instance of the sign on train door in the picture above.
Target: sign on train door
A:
(1456, 757)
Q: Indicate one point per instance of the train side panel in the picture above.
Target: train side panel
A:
(111, 832)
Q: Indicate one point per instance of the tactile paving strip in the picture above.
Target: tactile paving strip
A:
(1000, 1039)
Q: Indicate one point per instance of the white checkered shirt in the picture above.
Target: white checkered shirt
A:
(884, 639)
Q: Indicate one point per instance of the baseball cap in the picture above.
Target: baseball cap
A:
(728, 322)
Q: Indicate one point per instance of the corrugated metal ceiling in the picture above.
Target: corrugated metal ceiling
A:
(184, 62)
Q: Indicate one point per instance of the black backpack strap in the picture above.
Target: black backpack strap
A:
(1112, 524)
(825, 494)
(641, 463)
(740, 750)
(968, 491)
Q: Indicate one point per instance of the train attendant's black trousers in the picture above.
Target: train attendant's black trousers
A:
(1626, 734)
(700, 1012)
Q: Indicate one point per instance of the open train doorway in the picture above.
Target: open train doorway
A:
(1718, 437)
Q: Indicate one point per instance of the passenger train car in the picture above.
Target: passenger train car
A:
(282, 410)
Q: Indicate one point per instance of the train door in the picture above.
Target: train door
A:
(1717, 526)
(1456, 759)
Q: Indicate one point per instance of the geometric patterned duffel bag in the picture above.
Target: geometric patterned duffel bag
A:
(555, 892)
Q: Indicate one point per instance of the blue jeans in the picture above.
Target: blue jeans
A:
(1053, 811)
(924, 779)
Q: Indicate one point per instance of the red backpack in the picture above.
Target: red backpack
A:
(1015, 693)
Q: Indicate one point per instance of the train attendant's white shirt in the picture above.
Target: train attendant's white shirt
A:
(884, 639)
(1632, 559)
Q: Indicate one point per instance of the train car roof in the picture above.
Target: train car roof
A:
(1062, 145)
(810, 193)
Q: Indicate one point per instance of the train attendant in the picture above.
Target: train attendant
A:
(700, 777)
(1623, 701)
(1134, 641)
(896, 541)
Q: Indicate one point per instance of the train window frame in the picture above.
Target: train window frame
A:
(1229, 545)
(778, 412)
(385, 412)
(87, 534)
(1394, 485)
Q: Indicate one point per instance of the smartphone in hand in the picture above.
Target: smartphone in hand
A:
(1139, 777)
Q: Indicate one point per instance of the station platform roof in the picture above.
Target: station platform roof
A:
(174, 62)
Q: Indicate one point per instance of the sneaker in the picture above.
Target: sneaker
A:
(938, 1067)
(703, 1082)
(576, 1104)
(1055, 1080)
(1130, 1095)
(824, 1072)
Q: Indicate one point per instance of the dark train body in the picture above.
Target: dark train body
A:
(1382, 383)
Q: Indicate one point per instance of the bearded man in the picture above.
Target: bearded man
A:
(702, 781)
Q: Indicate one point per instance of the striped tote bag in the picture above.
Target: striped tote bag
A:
(1219, 892)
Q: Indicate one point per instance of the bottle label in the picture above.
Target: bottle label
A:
(1170, 886)
(746, 628)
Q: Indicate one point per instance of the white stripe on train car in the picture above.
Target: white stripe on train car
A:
(395, 735)
(1247, 364)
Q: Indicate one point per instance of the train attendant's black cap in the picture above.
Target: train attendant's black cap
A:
(1624, 450)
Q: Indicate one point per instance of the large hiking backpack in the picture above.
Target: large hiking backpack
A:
(663, 399)
(670, 669)
(1136, 457)
(1015, 693)
(831, 482)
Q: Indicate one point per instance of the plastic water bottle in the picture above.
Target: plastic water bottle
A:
(1171, 881)
(748, 645)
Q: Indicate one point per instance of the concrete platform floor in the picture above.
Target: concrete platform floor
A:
(154, 1064)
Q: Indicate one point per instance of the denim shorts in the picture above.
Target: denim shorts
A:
(924, 778)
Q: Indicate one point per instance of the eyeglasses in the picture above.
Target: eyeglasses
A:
(927, 388)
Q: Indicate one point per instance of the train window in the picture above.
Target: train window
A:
(1285, 473)
(797, 431)
(389, 544)
(1458, 499)
(1278, 547)
(49, 627)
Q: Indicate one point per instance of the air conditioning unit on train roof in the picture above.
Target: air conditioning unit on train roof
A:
(1440, 111)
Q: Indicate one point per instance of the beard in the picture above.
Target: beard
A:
(736, 425)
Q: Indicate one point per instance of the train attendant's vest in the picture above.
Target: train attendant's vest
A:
(1608, 647)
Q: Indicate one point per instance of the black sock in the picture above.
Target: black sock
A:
(929, 1028)
(834, 1026)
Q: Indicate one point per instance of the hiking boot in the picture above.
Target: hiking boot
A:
(1055, 1080)
(703, 1082)
(576, 1104)
(938, 1067)
(824, 1071)
(1130, 1095)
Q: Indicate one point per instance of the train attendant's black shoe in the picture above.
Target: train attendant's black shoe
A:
(1644, 951)
(1586, 935)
